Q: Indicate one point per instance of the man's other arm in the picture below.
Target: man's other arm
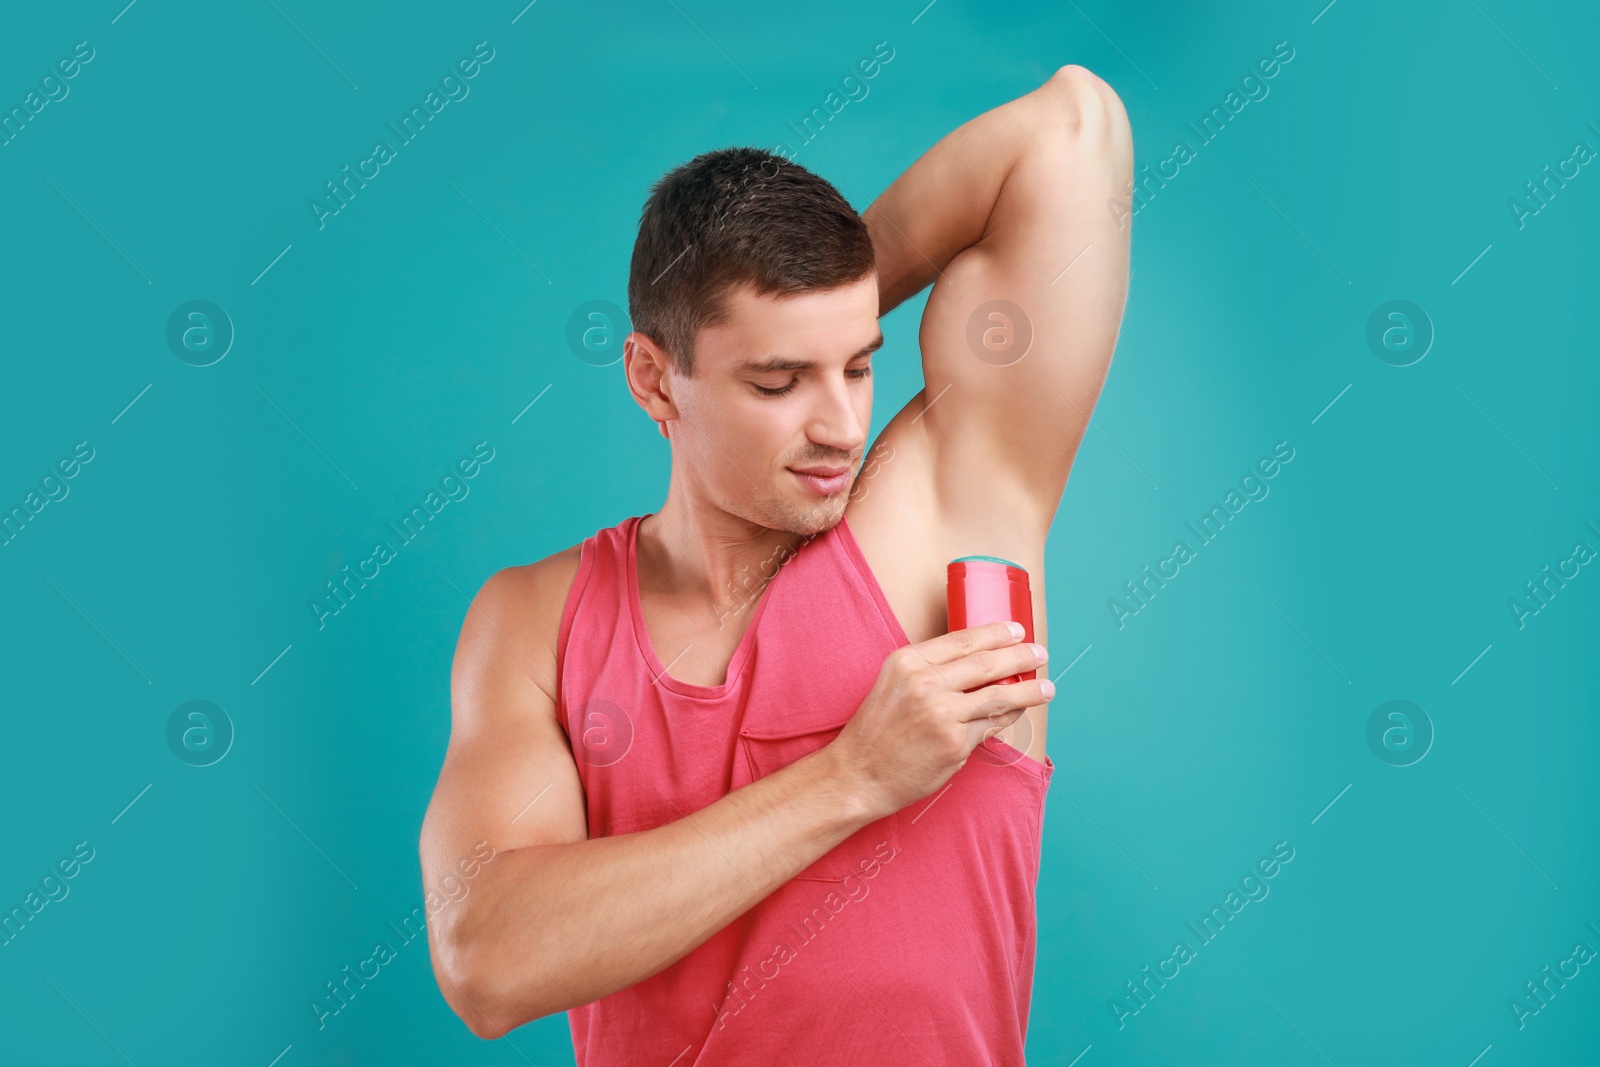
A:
(556, 920)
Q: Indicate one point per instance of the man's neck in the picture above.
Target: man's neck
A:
(709, 556)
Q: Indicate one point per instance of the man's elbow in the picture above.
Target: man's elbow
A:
(1082, 107)
(474, 987)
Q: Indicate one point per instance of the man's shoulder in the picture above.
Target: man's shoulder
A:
(533, 593)
(532, 596)
(515, 619)
(558, 568)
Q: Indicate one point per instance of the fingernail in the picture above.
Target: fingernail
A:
(1048, 688)
(1042, 652)
(1016, 628)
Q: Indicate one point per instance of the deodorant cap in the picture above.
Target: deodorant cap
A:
(990, 559)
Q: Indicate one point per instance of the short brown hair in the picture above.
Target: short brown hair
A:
(736, 216)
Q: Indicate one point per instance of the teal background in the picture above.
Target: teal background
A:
(1223, 718)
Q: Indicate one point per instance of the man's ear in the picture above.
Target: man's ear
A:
(646, 364)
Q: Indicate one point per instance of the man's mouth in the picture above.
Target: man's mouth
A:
(824, 481)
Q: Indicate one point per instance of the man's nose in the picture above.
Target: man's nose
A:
(834, 421)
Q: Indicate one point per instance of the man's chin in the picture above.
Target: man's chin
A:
(820, 517)
(813, 529)
(807, 519)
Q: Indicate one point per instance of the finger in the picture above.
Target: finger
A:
(995, 700)
(991, 665)
(993, 716)
(983, 728)
(957, 643)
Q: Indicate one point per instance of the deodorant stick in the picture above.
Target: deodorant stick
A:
(983, 589)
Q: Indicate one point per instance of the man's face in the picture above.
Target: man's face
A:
(783, 386)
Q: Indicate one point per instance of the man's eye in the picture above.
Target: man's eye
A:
(764, 391)
(860, 372)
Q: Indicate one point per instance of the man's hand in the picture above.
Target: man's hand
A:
(917, 726)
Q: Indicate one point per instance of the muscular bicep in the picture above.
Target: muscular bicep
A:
(1019, 329)
(508, 778)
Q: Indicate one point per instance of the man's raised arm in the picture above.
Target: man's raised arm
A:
(1011, 217)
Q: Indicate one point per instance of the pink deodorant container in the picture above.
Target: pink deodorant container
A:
(983, 589)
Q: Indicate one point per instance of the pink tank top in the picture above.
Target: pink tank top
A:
(911, 943)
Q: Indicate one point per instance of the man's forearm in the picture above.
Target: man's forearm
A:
(941, 204)
(554, 926)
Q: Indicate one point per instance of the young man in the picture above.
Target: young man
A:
(721, 752)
